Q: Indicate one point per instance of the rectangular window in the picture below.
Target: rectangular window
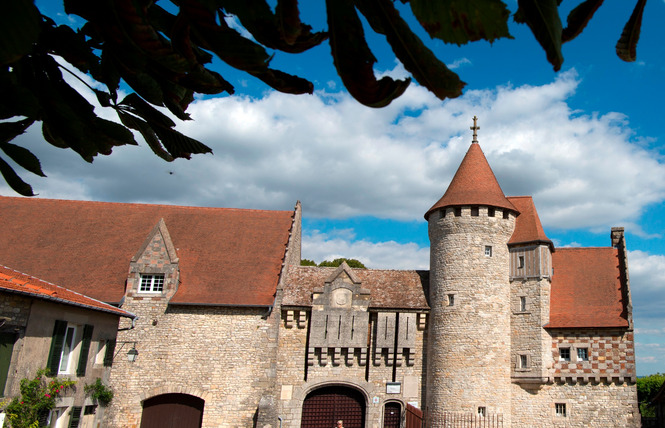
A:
(522, 303)
(490, 212)
(482, 411)
(560, 409)
(475, 211)
(524, 362)
(564, 354)
(520, 262)
(67, 349)
(153, 283)
(582, 354)
(451, 300)
(458, 211)
(488, 251)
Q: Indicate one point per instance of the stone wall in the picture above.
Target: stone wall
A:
(297, 375)
(605, 404)
(222, 355)
(469, 341)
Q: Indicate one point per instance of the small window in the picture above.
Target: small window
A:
(524, 362)
(488, 251)
(520, 262)
(152, 283)
(458, 211)
(560, 409)
(582, 354)
(522, 303)
(482, 411)
(491, 212)
(90, 410)
(505, 214)
(564, 354)
(451, 300)
(474, 211)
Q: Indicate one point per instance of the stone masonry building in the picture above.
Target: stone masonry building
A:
(504, 330)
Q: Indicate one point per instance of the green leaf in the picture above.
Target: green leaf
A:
(417, 58)
(578, 19)
(23, 157)
(14, 181)
(354, 60)
(626, 47)
(542, 17)
(147, 132)
(19, 29)
(462, 21)
(257, 17)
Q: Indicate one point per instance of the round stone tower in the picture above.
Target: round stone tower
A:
(468, 352)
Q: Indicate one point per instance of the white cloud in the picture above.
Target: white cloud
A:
(459, 63)
(342, 159)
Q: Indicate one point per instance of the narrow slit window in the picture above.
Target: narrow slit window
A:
(474, 211)
(491, 212)
(488, 251)
(520, 262)
(522, 303)
(524, 362)
(451, 300)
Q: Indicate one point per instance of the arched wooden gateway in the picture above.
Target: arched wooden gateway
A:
(172, 411)
(323, 407)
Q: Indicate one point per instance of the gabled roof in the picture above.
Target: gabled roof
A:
(389, 289)
(587, 289)
(528, 228)
(226, 256)
(12, 281)
(474, 183)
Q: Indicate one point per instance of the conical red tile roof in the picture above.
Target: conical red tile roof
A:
(527, 227)
(474, 183)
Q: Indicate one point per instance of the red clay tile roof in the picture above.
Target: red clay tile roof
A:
(527, 226)
(227, 256)
(390, 289)
(586, 289)
(474, 183)
(12, 281)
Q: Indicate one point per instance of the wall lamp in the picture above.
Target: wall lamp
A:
(131, 354)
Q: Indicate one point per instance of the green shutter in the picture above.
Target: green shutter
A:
(108, 356)
(59, 331)
(85, 349)
(75, 417)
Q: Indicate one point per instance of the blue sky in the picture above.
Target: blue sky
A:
(587, 143)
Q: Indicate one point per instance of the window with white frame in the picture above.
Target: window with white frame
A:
(560, 409)
(582, 354)
(564, 354)
(67, 350)
(152, 283)
(488, 251)
(524, 361)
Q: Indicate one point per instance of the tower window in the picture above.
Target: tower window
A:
(560, 409)
(522, 303)
(482, 411)
(474, 211)
(524, 362)
(505, 214)
(490, 212)
(488, 251)
(451, 300)
(520, 262)
(458, 211)
(564, 354)
(582, 354)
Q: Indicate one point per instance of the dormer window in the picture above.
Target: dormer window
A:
(152, 283)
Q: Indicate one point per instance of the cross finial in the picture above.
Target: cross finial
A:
(475, 128)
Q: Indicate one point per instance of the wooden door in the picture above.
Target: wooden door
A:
(323, 407)
(172, 411)
(392, 415)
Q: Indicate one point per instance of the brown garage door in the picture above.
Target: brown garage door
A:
(172, 411)
(325, 406)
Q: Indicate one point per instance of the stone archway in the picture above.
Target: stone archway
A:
(324, 406)
(172, 411)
